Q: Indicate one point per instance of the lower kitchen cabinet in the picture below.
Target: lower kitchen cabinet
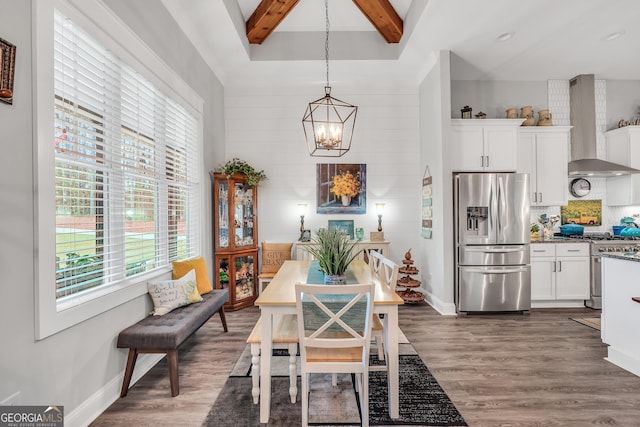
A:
(560, 274)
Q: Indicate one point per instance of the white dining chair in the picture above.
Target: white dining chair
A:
(375, 261)
(334, 332)
(388, 276)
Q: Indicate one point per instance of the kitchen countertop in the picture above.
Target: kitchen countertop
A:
(557, 239)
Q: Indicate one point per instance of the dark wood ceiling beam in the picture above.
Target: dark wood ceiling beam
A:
(384, 17)
(266, 18)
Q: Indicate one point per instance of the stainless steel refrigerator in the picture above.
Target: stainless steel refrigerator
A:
(492, 237)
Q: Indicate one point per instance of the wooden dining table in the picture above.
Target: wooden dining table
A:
(279, 297)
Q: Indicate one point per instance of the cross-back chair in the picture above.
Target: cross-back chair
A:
(334, 332)
(387, 275)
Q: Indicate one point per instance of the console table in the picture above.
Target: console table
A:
(363, 247)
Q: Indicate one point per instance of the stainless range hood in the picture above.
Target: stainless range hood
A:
(583, 135)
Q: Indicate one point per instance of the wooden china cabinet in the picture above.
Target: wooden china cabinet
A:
(235, 236)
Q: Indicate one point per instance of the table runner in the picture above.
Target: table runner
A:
(315, 276)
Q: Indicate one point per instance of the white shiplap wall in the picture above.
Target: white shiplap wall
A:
(264, 128)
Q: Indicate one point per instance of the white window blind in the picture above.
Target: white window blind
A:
(127, 176)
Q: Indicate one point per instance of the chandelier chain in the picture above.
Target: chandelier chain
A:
(326, 40)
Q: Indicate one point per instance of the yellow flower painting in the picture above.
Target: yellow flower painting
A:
(346, 184)
(341, 188)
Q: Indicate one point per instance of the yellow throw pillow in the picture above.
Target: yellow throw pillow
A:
(273, 255)
(180, 268)
(170, 294)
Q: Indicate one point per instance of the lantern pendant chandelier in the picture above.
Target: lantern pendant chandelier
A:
(328, 122)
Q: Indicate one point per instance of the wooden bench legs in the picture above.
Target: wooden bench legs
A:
(128, 372)
(172, 361)
(223, 318)
(255, 370)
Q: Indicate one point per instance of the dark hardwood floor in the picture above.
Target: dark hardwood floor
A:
(541, 369)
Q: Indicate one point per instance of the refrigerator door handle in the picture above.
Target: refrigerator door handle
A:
(501, 204)
(494, 250)
(493, 210)
(496, 271)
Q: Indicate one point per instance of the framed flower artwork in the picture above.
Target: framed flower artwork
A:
(341, 188)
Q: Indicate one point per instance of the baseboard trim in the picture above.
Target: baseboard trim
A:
(97, 403)
(444, 308)
(624, 360)
(558, 304)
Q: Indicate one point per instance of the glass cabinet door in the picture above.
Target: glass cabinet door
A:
(244, 276)
(243, 215)
(223, 272)
(223, 215)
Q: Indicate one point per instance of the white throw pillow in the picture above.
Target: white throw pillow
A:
(170, 294)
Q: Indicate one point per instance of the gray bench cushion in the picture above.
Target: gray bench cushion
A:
(172, 329)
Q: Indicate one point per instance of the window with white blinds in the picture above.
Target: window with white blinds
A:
(126, 168)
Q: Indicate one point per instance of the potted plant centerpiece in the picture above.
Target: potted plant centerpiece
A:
(334, 252)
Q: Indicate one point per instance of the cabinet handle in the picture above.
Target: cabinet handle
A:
(635, 299)
(481, 161)
(573, 250)
(559, 266)
(487, 161)
(540, 198)
(554, 267)
(535, 196)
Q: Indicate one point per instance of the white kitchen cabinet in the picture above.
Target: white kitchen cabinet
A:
(543, 153)
(623, 147)
(484, 145)
(560, 274)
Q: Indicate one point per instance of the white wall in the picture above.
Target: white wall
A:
(436, 254)
(264, 127)
(79, 367)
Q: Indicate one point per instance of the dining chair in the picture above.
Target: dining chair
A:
(386, 271)
(334, 332)
(273, 255)
(375, 261)
(387, 274)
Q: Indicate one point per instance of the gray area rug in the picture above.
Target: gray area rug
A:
(422, 400)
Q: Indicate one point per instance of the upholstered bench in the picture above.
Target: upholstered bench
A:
(164, 334)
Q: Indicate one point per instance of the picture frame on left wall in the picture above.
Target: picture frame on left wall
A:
(7, 71)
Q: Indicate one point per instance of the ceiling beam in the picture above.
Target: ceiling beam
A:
(266, 18)
(384, 17)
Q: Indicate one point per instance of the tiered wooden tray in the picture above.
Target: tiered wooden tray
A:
(407, 283)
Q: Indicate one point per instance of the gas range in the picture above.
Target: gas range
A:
(606, 242)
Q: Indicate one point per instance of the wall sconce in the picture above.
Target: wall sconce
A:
(379, 212)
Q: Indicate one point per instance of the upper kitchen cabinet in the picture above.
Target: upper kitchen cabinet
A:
(623, 147)
(543, 153)
(485, 145)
